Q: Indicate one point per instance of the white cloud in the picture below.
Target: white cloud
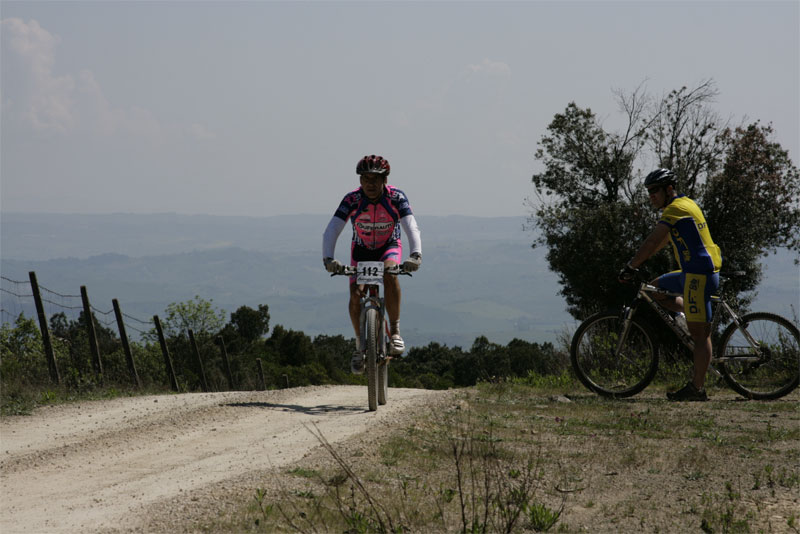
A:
(490, 68)
(99, 116)
(198, 131)
(69, 103)
(43, 99)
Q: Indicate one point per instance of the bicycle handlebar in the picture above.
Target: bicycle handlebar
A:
(351, 270)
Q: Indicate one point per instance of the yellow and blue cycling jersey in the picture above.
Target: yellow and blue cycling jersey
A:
(694, 249)
(700, 259)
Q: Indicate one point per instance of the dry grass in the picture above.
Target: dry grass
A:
(515, 458)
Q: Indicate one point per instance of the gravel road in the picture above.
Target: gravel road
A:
(95, 465)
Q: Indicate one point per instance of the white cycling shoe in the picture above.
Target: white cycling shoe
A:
(396, 345)
(357, 363)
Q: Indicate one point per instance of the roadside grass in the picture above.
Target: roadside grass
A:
(16, 399)
(543, 455)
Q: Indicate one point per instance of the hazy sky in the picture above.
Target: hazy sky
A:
(264, 108)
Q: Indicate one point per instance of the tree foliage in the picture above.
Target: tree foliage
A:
(686, 135)
(198, 315)
(251, 324)
(593, 213)
(753, 205)
(286, 357)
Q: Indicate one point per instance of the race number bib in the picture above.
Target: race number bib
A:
(369, 272)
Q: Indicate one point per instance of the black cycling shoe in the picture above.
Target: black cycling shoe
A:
(688, 393)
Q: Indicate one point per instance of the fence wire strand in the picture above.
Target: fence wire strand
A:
(59, 294)
(15, 294)
(137, 320)
(14, 281)
(135, 329)
(19, 295)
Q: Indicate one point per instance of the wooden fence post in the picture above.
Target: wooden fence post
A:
(123, 336)
(173, 381)
(203, 382)
(225, 359)
(48, 345)
(261, 375)
(90, 330)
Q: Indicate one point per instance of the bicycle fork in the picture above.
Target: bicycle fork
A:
(371, 302)
(627, 316)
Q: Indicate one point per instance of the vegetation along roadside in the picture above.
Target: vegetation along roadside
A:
(532, 455)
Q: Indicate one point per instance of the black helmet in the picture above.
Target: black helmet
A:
(662, 177)
(374, 165)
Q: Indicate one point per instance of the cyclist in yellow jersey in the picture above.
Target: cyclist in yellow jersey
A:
(682, 222)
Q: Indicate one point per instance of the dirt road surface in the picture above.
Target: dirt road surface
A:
(95, 465)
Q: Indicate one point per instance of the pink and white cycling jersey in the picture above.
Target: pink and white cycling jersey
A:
(374, 224)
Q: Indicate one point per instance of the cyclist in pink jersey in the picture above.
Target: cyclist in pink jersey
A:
(377, 212)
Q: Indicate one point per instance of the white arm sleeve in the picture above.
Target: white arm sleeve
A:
(409, 225)
(330, 236)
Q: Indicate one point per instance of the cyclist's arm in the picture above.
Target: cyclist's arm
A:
(654, 242)
(410, 228)
(331, 235)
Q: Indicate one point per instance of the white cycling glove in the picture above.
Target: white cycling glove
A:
(413, 262)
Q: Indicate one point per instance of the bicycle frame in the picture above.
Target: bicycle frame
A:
(616, 354)
(644, 295)
(372, 300)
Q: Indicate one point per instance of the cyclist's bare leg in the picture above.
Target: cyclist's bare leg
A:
(354, 308)
(701, 335)
(392, 296)
(674, 304)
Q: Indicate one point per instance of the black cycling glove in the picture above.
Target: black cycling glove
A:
(627, 274)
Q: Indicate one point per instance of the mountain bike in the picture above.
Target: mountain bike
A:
(757, 354)
(375, 338)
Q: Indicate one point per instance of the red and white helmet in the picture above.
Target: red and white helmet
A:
(373, 165)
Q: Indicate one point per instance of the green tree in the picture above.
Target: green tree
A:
(251, 324)
(197, 314)
(72, 337)
(753, 204)
(22, 357)
(292, 347)
(590, 213)
(334, 352)
(205, 321)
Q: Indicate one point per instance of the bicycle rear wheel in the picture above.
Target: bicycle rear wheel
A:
(607, 368)
(768, 371)
(372, 358)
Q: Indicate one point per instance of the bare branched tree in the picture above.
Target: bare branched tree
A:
(685, 134)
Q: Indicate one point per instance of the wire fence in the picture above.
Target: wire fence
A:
(16, 297)
(33, 300)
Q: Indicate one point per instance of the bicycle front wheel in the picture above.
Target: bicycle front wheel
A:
(605, 365)
(372, 358)
(383, 381)
(768, 369)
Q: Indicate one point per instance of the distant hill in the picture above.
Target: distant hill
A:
(479, 277)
